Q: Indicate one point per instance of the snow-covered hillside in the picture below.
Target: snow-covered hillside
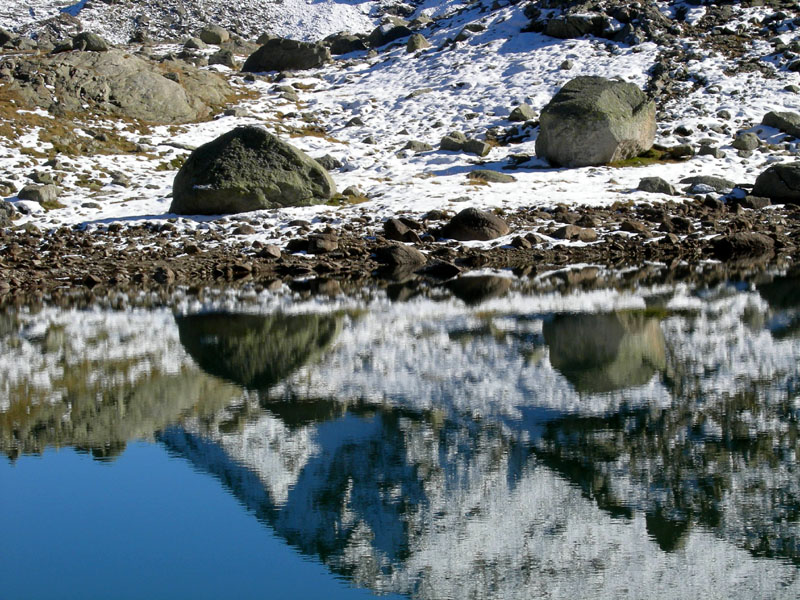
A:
(469, 86)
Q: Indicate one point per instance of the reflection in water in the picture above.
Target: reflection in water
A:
(605, 352)
(532, 446)
(252, 350)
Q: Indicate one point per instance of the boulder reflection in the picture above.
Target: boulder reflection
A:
(255, 351)
(605, 352)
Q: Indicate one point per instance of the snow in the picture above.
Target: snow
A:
(470, 87)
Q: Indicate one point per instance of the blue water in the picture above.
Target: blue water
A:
(514, 454)
(144, 526)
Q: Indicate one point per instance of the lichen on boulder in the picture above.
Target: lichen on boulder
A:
(595, 121)
(248, 169)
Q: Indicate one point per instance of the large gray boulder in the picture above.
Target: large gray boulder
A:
(595, 121)
(282, 54)
(118, 83)
(780, 183)
(248, 169)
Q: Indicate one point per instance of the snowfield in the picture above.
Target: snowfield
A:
(471, 87)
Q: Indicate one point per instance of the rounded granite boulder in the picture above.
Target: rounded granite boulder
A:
(596, 121)
(248, 169)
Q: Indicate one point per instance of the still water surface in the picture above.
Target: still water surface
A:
(484, 439)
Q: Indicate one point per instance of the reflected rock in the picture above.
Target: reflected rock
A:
(605, 352)
(100, 417)
(474, 290)
(782, 293)
(256, 351)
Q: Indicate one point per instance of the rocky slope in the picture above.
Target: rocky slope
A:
(409, 130)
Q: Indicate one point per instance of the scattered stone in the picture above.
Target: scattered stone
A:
(416, 146)
(491, 176)
(345, 42)
(90, 42)
(248, 169)
(453, 141)
(746, 141)
(386, 33)
(417, 42)
(223, 57)
(708, 150)
(476, 147)
(566, 65)
(787, 122)
(780, 183)
(524, 112)
(657, 185)
(575, 233)
(716, 184)
(244, 229)
(681, 151)
(282, 54)
(42, 194)
(195, 43)
(742, 244)
(400, 255)
(214, 34)
(322, 243)
(329, 163)
(594, 121)
(754, 202)
(632, 226)
(355, 122)
(474, 224)
(397, 230)
(269, 251)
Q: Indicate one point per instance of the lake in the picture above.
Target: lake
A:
(580, 433)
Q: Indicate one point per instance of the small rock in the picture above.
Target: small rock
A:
(656, 185)
(417, 147)
(39, 193)
(746, 141)
(329, 163)
(322, 243)
(224, 58)
(214, 34)
(491, 176)
(417, 42)
(632, 226)
(575, 233)
(270, 251)
(476, 147)
(244, 229)
(706, 150)
(90, 42)
(453, 141)
(398, 255)
(741, 245)
(195, 43)
(681, 151)
(717, 184)
(523, 112)
(754, 202)
(474, 224)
